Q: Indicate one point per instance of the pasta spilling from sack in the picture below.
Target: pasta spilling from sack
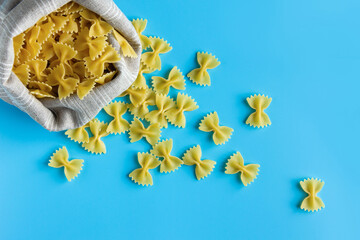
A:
(163, 104)
(203, 167)
(79, 135)
(163, 150)
(312, 187)
(119, 124)
(140, 81)
(210, 123)
(67, 52)
(142, 109)
(259, 118)
(175, 80)
(142, 175)
(95, 144)
(236, 164)
(176, 115)
(152, 59)
(140, 25)
(200, 75)
(137, 131)
(61, 159)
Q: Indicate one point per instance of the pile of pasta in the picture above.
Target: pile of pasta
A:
(66, 52)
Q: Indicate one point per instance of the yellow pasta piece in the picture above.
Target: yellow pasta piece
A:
(142, 175)
(210, 123)
(18, 43)
(137, 131)
(79, 69)
(107, 77)
(46, 29)
(47, 49)
(40, 89)
(67, 85)
(58, 21)
(163, 150)
(175, 80)
(95, 144)
(152, 59)
(79, 135)
(140, 81)
(75, 8)
(41, 94)
(31, 44)
(88, 46)
(98, 26)
(119, 124)
(163, 104)
(176, 115)
(23, 73)
(67, 39)
(61, 159)
(142, 109)
(140, 25)
(236, 164)
(200, 75)
(97, 66)
(136, 95)
(84, 87)
(63, 53)
(37, 68)
(312, 187)
(71, 26)
(258, 118)
(125, 47)
(203, 167)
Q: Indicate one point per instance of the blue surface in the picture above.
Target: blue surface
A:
(304, 54)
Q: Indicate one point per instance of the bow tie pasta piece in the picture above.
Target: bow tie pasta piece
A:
(140, 25)
(163, 104)
(136, 95)
(152, 59)
(203, 167)
(210, 123)
(40, 89)
(119, 124)
(142, 175)
(137, 131)
(200, 75)
(64, 53)
(84, 87)
(23, 73)
(31, 44)
(176, 115)
(236, 164)
(58, 21)
(312, 187)
(140, 81)
(88, 46)
(125, 47)
(79, 135)
(18, 43)
(70, 7)
(95, 144)
(71, 26)
(141, 110)
(175, 80)
(98, 26)
(46, 29)
(163, 150)
(258, 118)
(67, 85)
(67, 39)
(37, 68)
(47, 50)
(97, 66)
(61, 159)
(106, 77)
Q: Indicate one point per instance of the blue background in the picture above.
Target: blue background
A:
(304, 54)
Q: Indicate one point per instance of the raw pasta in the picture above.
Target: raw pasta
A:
(79, 135)
(203, 167)
(163, 150)
(258, 118)
(142, 175)
(142, 109)
(175, 80)
(152, 59)
(176, 115)
(236, 164)
(138, 131)
(140, 81)
(163, 104)
(95, 144)
(312, 187)
(61, 159)
(210, 123)
(140, 25)
(136, 95)
(200, 75)
(119, 124)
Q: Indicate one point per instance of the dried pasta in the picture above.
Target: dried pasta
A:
(140, 25)
(119, 124)
(98, 27)
(163, 150)
(312, 187)
(152, 59)
(137, 131)
(142, 109)
(136, 95)
(95, 144)
(61, 159)
(203, 167)
(163, 104)
(236, 164)
(200, 75)
(140, 81)
(210, 123)
(176, 115)
(142, 175)
(175, 80)
(79, 135)
(258, 118)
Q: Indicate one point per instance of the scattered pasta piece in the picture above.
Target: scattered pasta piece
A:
(175, 80)
(163, 150)
(163, 104)
(95, 144)
(79, 135)
(200, 75)
(61, 159)
(203, 167)
(140, 25)
(140, 81)
(176, 115)
(142, 175)
(258, 118)
(136, 95)
(210, 123)
(138, 131)
(119, 124)
(141, 110)
(125, 47)
(152, 59)
(312, 187)
(236, 164)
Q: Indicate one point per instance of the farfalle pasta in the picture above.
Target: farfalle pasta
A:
(142, 175)
(137, 131)
(236, 164)
(136, 95)
(95, 144)
(202, 167)
(140, 81)
(175, 80)
(312, 187)
(61, 159)
(210, 123)
(119, 124)
(142, 109)
(163, 104)
(162, 150)
(176, 115)
(200, 75)
(259, 118)
(79, 135)
(140, 25)
(152, 59)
